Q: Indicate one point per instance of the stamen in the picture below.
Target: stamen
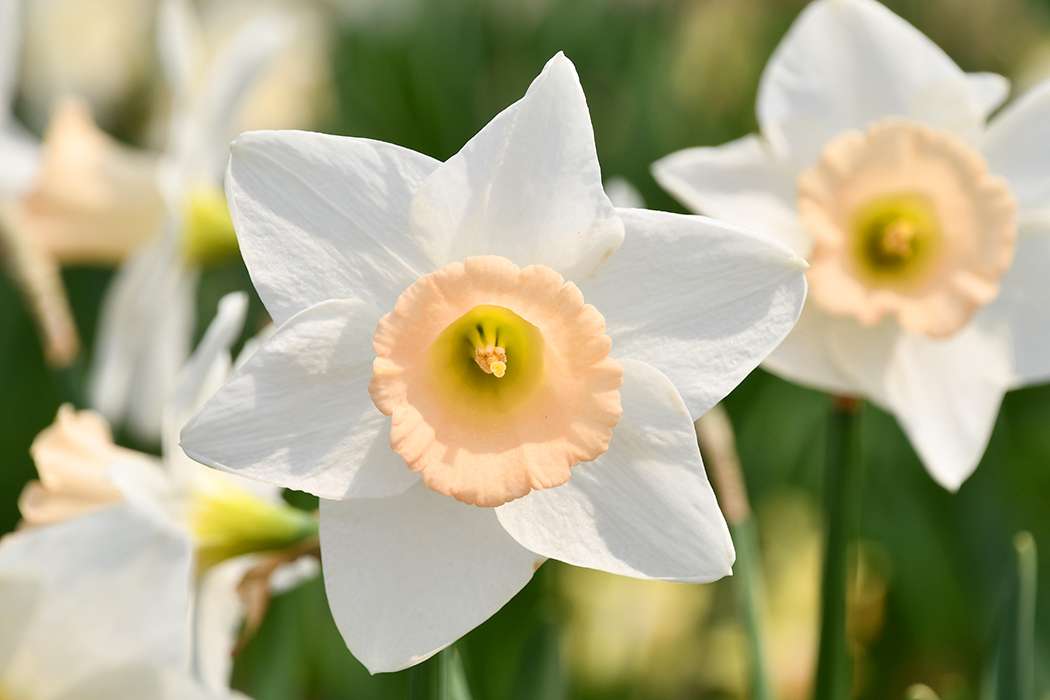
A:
(492, 359)
(898, 238)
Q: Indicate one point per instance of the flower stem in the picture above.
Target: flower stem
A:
(440, 677)
(840, 470)
(715, 434)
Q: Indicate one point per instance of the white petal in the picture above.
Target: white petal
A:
(847, 63)
(989, 91)
(19, 598)
(805, 357)
(699, 300)
(140, 681)
(623, 194)
(202, 148)
(203, 375)
(325, 217)
(21, 161)
(144, 337)
(217, 616)
(741, 182)
(298, 412)
(642, 509)
(526, 187)
(406, 576)
(864, 354)
(1015, 146)
(114, 583)
(179, 44)
(946, 395)
(1021, 312)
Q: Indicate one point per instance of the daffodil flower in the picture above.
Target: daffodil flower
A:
(30, 265)
(481, 364)
(148, 317)
(227, 519)
(96, 609)
(926, 228)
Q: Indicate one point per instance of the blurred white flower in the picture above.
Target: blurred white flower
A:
(148, 315)
(489, 380)
(96, 608)
(98, 50)
(32, 267)
(927, 229)
(82, 471)
(295, 89)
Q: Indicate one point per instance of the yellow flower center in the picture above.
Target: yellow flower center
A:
(895, 238)
(228, 521)
(497, 379)
(908, 224)
(489, 356)
(208, 237)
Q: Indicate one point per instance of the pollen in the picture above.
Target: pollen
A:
(492, 359)
(898, 239)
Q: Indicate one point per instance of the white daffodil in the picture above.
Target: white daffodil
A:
(35, 272)
(927, 231)
(437, 378)
(96, 609)
(82, 471)
(148, 315)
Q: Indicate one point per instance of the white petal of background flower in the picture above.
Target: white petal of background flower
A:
(201, 147)
(1021, 313)
(325, 217)
(699, 300)
(298, 412)
(742, 182)
(20, 597)
(202, 375)
(644, 508)
(408, 575)
(144, 336)
(527, 187)
(140, 681)
(115, 590)
(946, 395)
(1015, 146)
(989, 91)
(847, 63)
(218, 612)
(623, 194)
(179, 44)
(806, 358)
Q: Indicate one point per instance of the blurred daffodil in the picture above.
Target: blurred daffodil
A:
(450, 394)
(82, 471)
(926, 229)
(33, 269)
(97, 608)
(148, 315)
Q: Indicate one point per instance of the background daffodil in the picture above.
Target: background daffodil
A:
(924, 222)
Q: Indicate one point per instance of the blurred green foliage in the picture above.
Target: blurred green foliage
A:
(659, 76)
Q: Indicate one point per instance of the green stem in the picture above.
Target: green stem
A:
(718, 445)
(1020, 665)
(748, 577)
(833, 659)
(440, 677)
